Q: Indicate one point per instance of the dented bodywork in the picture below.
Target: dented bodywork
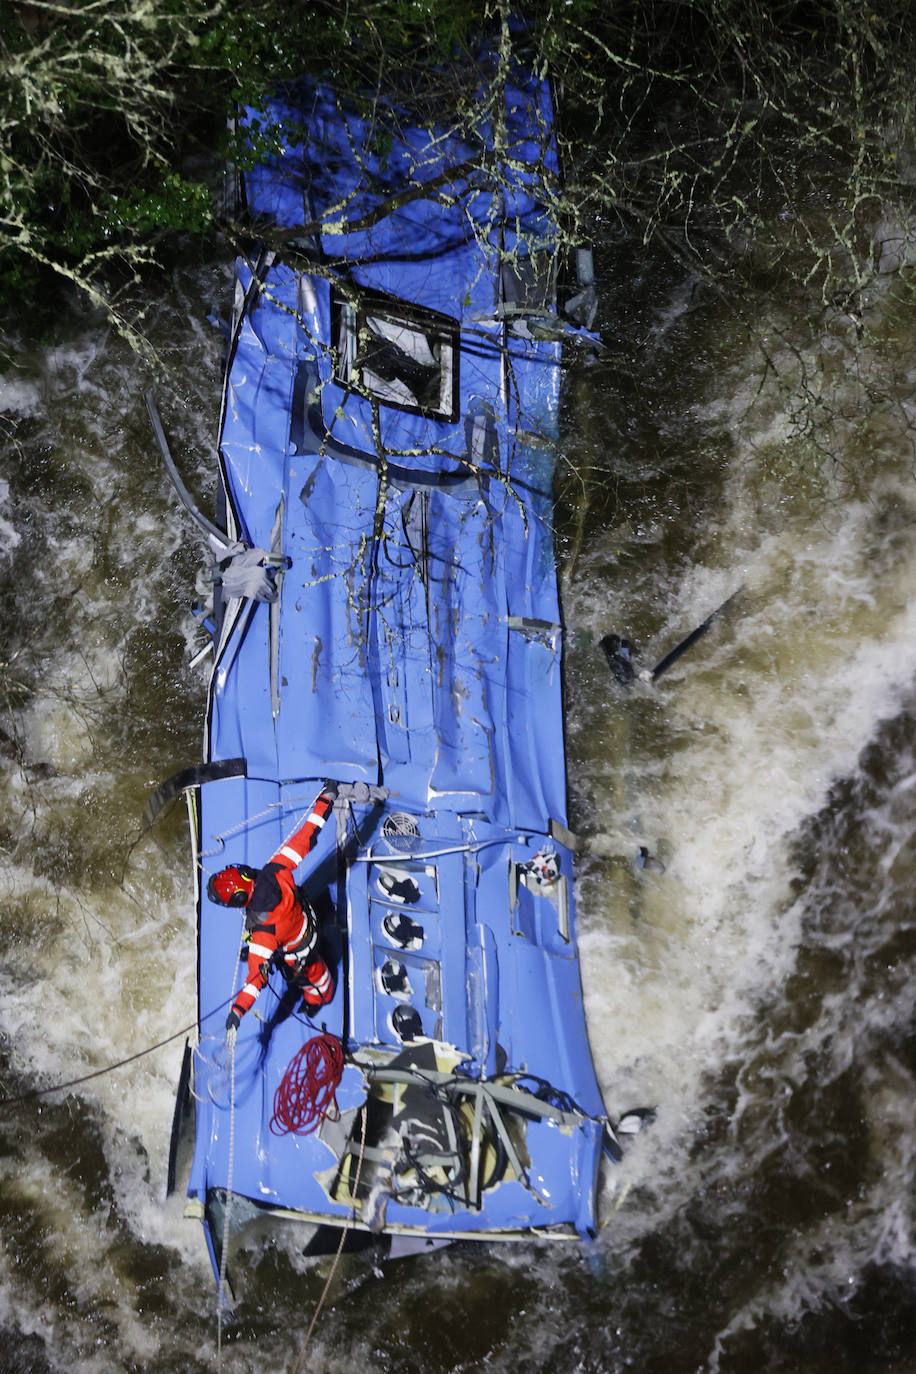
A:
(386, 447)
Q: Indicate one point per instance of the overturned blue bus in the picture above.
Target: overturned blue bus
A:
(386, 622)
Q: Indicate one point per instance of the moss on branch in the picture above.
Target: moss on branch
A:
(696, 123)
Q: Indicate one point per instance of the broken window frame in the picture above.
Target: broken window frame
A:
(350, 321)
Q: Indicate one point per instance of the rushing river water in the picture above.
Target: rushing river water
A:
(750, 975)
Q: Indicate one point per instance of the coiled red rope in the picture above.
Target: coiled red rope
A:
(308, 1091)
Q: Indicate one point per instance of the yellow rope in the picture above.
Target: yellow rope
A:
(343, 1236)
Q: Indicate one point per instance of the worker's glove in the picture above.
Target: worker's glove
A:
(232, 1020)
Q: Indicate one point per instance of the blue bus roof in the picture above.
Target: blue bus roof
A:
(389, 416)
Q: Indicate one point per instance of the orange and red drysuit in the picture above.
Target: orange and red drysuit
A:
(283, 930)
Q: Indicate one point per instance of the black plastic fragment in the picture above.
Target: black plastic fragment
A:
(619, 653)
(194, 776)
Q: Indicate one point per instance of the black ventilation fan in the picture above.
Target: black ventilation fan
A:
(406, 1022)
(403, 930)
(394, 978)
(398, 887)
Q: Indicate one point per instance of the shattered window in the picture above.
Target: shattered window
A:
(528, 282)
(405, 357)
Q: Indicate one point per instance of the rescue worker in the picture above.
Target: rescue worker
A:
(281, 923)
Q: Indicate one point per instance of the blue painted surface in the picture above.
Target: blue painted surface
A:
(417, 650)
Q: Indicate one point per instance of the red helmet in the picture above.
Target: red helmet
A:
(232, 886)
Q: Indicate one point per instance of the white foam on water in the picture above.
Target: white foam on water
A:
(745, 737)
(748, 732)
(118, 977)
(9, 535)
(19, 395)
(100, 969)
(823, 1264)
(88, 1257)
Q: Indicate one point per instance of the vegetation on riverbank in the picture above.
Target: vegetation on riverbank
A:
(752, 141)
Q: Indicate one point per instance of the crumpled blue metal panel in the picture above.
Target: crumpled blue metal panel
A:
(415, 646)
(339, 167)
